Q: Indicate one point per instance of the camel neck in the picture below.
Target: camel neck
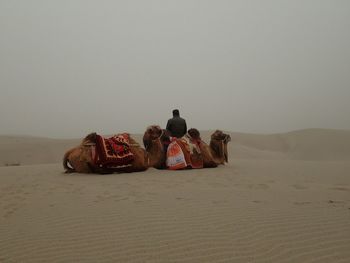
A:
(217, 151)
(155, 154)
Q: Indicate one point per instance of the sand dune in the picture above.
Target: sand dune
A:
(317, 144)
(307, 145)
(32, 150)
(282, 198)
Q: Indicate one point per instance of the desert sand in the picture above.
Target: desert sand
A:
(282, 198)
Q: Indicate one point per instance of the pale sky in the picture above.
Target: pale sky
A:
(71, 67)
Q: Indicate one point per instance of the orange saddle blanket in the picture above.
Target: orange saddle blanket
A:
(184, 153)
(114, 151)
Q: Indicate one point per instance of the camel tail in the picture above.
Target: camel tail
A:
(66, 162)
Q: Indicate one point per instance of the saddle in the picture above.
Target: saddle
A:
(184, 153)
(113, 152)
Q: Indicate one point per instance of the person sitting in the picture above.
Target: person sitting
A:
(176, 125)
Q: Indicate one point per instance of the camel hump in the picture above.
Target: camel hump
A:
(194, 133)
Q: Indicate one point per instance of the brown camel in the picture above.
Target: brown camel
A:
(213, 154)
(155, 140)
(79, 159)
(217, 148)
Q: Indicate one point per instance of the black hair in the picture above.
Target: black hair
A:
(176, 112)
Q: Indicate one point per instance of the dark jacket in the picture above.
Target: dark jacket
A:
(177, 126)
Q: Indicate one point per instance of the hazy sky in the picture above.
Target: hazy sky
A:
(71, 67)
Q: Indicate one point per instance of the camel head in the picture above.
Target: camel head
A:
(218, 143)
(152, 133)
(194, 133)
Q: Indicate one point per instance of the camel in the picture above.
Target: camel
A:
(79, 159)
(216, 153)
(155, 140)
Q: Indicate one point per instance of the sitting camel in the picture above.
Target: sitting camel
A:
(80, 158)
(156, 141)
(216, 153)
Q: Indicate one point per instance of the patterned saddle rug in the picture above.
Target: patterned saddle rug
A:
(113, 152)
(184, 153)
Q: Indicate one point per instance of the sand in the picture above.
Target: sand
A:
(281, 198)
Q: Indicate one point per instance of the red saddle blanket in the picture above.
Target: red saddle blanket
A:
(114, 151)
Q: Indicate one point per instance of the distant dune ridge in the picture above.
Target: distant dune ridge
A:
(282, 198)
(310, 144)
